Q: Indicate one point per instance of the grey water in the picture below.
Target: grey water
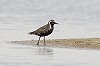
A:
(76, 18)
(20, 55)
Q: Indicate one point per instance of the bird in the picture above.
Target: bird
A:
(44, 30)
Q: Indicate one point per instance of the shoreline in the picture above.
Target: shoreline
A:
(83, 43)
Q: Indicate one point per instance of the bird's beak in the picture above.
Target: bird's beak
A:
(56, 23)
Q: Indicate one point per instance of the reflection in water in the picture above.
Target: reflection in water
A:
(44, 51)
(20, 55)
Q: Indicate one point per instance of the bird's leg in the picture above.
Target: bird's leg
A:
(44, 41)
(38, 40)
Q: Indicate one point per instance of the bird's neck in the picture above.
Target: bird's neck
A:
(51, 26)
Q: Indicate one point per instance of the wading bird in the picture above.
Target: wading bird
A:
(44, 30)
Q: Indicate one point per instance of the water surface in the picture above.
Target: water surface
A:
(76, 18)
(21, 55)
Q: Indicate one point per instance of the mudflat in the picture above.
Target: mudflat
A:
(85, 43)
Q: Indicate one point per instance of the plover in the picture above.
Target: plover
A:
(44, 30)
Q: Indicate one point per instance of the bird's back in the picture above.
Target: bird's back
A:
(43, 31)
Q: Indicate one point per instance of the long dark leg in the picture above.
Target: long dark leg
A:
(44, 41)
(38, 40)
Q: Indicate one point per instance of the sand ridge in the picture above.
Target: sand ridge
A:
(87, 43)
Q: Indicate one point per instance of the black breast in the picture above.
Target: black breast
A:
(46, 33)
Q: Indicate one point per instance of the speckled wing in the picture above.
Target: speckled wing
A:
(42, 30)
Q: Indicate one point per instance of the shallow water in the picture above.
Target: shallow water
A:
(20, 55)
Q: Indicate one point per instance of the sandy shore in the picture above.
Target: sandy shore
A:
(86, 43)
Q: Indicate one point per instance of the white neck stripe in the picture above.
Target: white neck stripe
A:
(50, 26)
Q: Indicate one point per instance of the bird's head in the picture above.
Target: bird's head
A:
(52, 22)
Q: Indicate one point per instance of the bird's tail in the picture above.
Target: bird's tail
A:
(30, 33)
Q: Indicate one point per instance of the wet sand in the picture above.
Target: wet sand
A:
(84, 43)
